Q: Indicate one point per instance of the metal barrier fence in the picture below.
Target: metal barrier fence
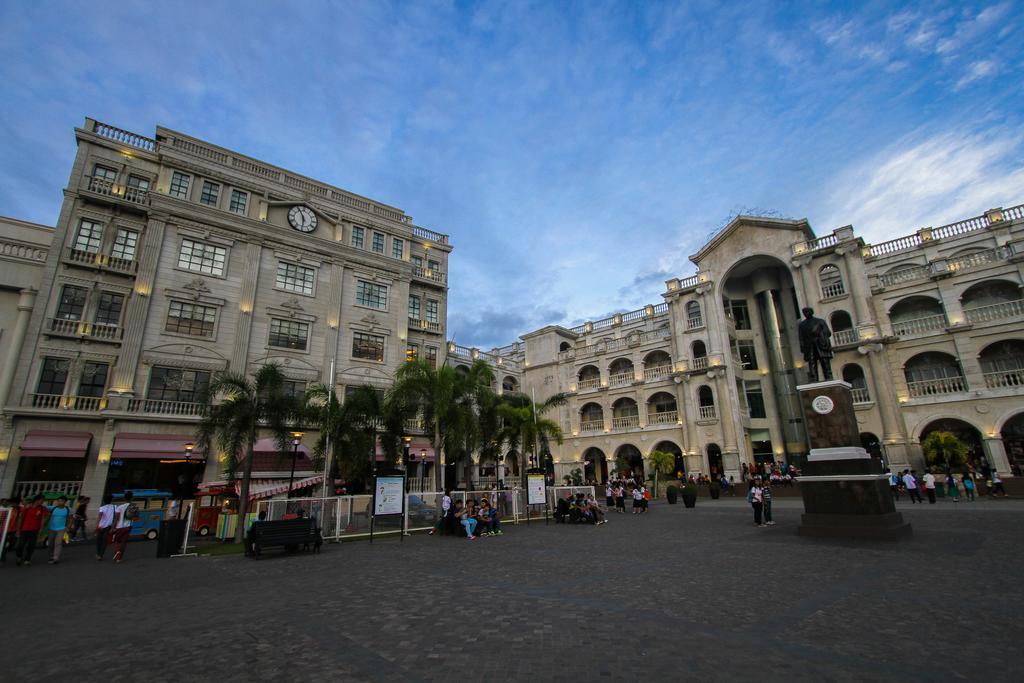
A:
(343, 517)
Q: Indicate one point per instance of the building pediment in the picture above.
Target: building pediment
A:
(744, 232)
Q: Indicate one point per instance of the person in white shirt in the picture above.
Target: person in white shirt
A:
(638, 501)
(446, 506)
(929, 487)
(910, 484)
(104, 522)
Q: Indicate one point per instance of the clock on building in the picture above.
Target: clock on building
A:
(302, 218)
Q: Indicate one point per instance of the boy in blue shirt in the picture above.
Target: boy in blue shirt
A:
(58, 524)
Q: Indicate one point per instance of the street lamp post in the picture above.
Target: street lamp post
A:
(296, 440)
(423, 467)
(181, 488)
(405, 460)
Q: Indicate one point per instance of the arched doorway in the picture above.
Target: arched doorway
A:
(715, 460)
(679, 471)
(873, 445)
(595, 465)
(633, 461)
(1013, 442)
(966, 433)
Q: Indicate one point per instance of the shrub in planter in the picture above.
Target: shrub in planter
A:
(673, 494)
(690, 496)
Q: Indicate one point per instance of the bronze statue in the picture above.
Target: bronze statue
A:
(815, 345)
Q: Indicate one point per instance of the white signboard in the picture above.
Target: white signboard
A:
(535, 489)
(388, 494)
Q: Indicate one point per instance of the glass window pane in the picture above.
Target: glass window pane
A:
(108, 311)
(288, 334)
(210, 193)
(202, 258)
(357, 236)
(397, 248)
(414, 307)
(372, 295)
(239, 200)
(367, 346)
(89, 237)
(138, 182)
(431, 311)
(53, 376)
(179, 185)
(295, 278)
(184, 317)
(93, 380)
(176, 384)
(125, 242)
(72, 303)
(104, 173)
(378, 242)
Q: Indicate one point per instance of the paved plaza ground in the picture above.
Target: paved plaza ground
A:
(677, 595)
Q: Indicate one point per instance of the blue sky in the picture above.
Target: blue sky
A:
(576, 152)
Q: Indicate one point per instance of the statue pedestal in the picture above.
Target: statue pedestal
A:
(846, 493)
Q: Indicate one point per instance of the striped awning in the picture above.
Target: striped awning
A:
(153, 446)
(54, 444)
(260, 489)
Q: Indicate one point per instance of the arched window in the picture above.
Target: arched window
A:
(509, 384)
(589, 377)
(625, 414)
(872, 444)
(620, 372)
(661, 409)
(842, 328)
(564, 346)
(591, 418)
(991, 300)
(700, 355)
(853, 375)
(916, 315)
(706, 403)
(657, 364)
(1003, 364)
(831, 282)
(934, 373)
(714, 460)
(694, 319)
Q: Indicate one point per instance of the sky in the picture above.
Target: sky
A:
(577, 153)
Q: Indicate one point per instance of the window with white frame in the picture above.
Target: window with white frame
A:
(378, 242)
(295, 278)
(367, 346)
(371, 294)
(414, 307)
(210, 193)
(202, 257)
(89, 237)
(137, 182)
(288, 334)
(431, 311)
(179, 185)
(125, 242)
(195, 320)
(357, 236)
(102, 172)
(397, 247)
(239, 201)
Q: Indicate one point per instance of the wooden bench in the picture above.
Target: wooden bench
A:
(289, 533)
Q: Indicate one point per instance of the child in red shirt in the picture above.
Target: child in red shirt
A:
(32, 518)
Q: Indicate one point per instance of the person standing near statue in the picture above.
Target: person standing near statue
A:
(816, 345)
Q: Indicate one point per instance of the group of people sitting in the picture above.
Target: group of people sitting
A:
(472, 520)
(578, 509)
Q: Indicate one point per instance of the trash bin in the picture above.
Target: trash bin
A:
(172, 535)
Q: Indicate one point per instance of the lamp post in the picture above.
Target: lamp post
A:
(296, 440)
(405, 460)
(181, 486)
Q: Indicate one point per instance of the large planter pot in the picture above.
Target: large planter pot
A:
(716, 491)
(690, 500)
(672, 494)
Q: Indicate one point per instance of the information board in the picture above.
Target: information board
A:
(388, 495)
(535, 489)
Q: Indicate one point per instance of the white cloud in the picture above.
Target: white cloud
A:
(980, 69)
(927, 181)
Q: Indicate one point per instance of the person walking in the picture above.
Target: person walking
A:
(28, 530)
(58, 526)
(766, 498)
(951, 488)
(79, 519)
(755, 496)
(620, 498)
(997, 485)
(929, 487)
(13, 520)
(609, 496)
(124, 514)
(968, 482)
(894, 484)
(910, 484)
(104, 525)
(638, 500)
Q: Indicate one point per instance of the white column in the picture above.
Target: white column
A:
(995, 451)
(26, 302)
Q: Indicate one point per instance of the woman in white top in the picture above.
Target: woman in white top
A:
(638, 500)
(104, 522)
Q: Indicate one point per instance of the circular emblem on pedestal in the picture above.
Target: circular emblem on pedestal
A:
(822, 405)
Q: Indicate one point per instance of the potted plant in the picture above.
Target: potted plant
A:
(715, 489)
(690, 495)
(673, 494)
(661, 463)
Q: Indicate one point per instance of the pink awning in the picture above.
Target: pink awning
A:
(153, 446)
(268, 488)
(45, 444)
(266, 458)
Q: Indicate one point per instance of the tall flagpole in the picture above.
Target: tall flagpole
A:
(327, 440)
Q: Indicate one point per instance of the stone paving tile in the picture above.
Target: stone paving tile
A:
(680, 593)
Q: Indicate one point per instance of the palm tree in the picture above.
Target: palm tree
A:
(944, 448)
(232, 423)
(445, 399)
(661, 463)
(524, 429)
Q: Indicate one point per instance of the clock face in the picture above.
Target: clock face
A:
(302, 218)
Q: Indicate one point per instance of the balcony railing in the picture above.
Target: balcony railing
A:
(903, 275)
(841, 337)
(428, 274)
(937, 387)
(61, 402)
(79, 328)
(693, 322)
(861, 395)
(668, 417)
(589, 383)
(568, 354)
(621, 378)
(707, 412)
(123, 136)
(415, 425)
(832, 290)
(626, 422)
(109, 188)
(909, 328)
(145, 405)
(1000, 311)
(91, 259)
(26, 490)
(592, 426)
(978, 259)
(424, 325)
(1005, 378)
(656, 372)
(699, 363)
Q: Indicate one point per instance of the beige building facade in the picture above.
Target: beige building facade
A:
(927, 328)
(172, 259)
